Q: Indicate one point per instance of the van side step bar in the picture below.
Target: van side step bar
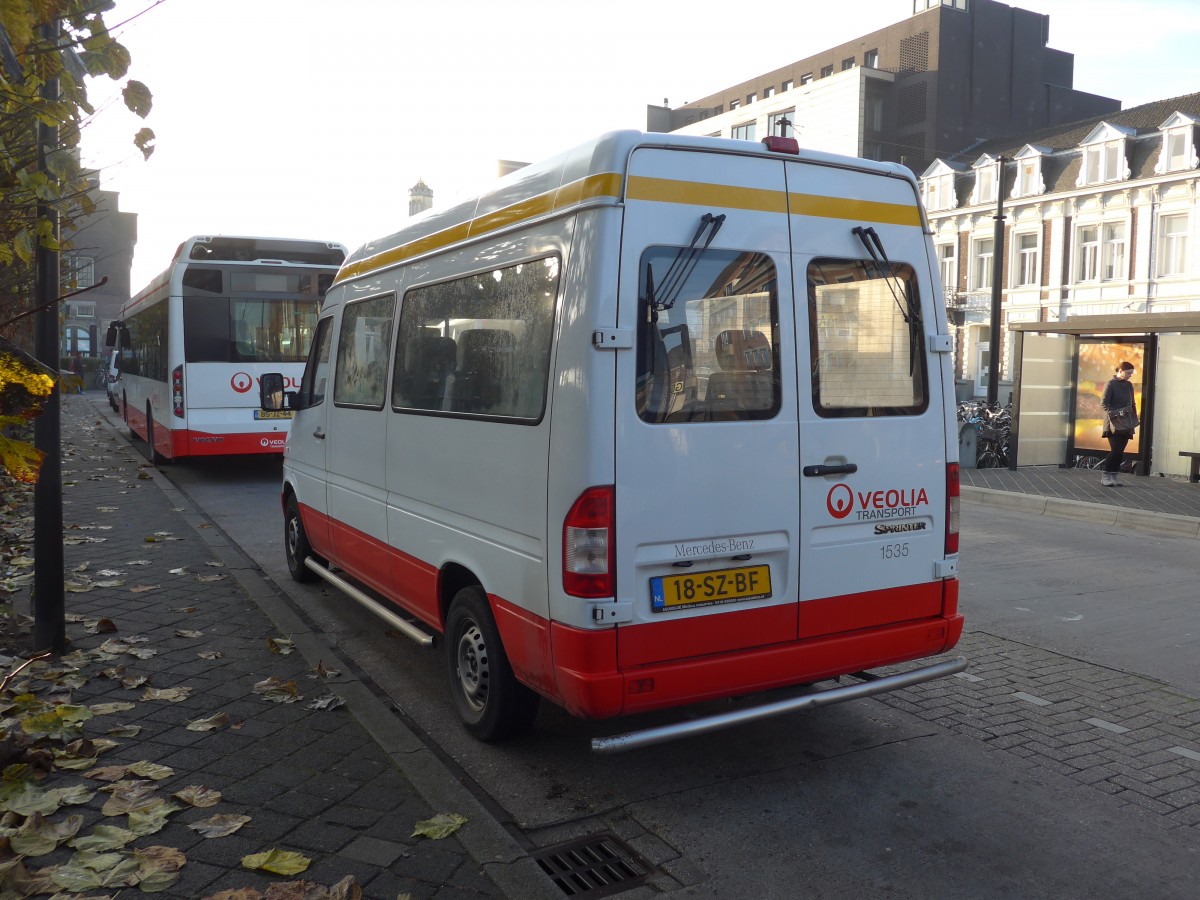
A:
(661, 734)
(405, 627)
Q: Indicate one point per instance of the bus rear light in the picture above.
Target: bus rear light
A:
(589, 545)
(177, 392)
(952, 501)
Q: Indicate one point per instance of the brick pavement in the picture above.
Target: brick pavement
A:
(343, 786)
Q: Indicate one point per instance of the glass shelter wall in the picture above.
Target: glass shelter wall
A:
(1177, 405)
(1044, 402)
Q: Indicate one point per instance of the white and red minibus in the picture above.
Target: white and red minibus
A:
(662, 420)
(193, 343)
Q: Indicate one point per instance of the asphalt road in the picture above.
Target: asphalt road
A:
(926, 794)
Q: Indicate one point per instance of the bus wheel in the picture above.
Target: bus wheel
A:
(493, 705)
(156, 458)
(295, 543)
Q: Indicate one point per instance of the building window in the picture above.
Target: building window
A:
(781, 124)
(871, 59)
(806, 78)
(1172, 250)
(1029, 177)
(985, 183)
(1087, 253)
(1025, 260)
(981, 264)
(948, 266)
(787, 85)
(826, 71)
(848, 63)
(750, 98)
(768, 92)
(80, 271)
(1112, 251)
(734, 104)
(80, 310)
(938, 192)
(743, 132)
(1104, 162)
(873, 113)
(1178, 150)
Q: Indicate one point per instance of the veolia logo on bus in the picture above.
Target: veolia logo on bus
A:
(881, 504)
(241, 382)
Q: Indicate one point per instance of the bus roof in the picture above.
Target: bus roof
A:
(591, 173)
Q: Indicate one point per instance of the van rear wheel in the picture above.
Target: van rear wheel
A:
(492, 704)
(295, 543)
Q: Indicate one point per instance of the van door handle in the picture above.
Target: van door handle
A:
(843, 469)
(319, 432)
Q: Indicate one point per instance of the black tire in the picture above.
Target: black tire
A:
(295, 543)
(156, 458)
(492, 704)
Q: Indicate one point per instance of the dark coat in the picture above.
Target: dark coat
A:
(1118, 394)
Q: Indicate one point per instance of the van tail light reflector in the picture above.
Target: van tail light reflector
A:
(589, 545)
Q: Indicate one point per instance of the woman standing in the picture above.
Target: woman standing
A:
(1120, 421)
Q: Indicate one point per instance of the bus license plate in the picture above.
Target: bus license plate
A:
(273, 413)
(710, 588)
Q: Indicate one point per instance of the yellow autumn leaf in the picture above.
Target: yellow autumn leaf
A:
(281, 862)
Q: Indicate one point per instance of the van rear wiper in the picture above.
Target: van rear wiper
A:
(686, 259)
(909, 311)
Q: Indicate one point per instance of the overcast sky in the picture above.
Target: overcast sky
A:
(305, 118)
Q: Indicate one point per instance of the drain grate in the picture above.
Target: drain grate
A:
(594, 866)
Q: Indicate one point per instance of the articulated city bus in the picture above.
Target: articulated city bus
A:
(193, 344)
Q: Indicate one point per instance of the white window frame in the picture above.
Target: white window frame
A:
(1029, 177)
(1173, 232)
(1113, 265)
(744, 131)
(985, 190)
(983, 252)
(937, 192)
(1087, 252)
(1184, 157)
(947, 254)
(1026, 271)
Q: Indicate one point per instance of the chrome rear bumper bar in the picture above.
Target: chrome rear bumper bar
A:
(661, 734)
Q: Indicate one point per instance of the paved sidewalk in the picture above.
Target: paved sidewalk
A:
(334, 776)
(1146, 503)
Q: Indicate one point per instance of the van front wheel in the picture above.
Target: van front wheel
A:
(493, 705)
(295, 543)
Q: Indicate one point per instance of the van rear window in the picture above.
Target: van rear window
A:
(707, 348)
(867, 339)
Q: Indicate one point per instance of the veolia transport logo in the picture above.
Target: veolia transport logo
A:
(840, 501)
(241, 382)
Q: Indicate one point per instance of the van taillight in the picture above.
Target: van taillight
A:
(952, 494)
(177, 391)
(589, 545)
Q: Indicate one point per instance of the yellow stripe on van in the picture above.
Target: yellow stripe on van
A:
(606, 184)
(698, 193)
(857, 210)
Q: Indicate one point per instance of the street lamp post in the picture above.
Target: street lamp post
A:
(993, 385)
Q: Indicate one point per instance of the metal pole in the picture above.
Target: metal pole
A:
(993, 386)
(49, 607)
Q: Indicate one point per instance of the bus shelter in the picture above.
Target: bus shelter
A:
(1060, 374)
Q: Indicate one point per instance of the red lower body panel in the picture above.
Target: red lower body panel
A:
(175, 443)
(616, 671)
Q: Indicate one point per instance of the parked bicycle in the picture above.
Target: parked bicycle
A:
(993, 427)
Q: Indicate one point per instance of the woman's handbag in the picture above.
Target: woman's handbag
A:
(1122, 421)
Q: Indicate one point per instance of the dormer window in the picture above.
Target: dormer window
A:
(985, 180)
(1104, 155)
(937, 187)
(1178, 152)
(1028, 182)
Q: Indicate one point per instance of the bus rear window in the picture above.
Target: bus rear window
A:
(219, 329)
(866, 339)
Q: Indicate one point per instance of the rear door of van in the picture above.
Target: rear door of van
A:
(707, 477)
(872, 418)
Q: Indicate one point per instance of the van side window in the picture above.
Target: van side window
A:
(480, 345)
(363, 352)
(316, 373)
(707, 345)
(866, 339)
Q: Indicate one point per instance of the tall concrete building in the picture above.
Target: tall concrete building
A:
(953, 73)
(100, 246)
